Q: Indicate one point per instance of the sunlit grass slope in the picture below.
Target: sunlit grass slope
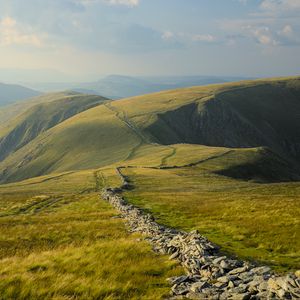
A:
(42, 117)
(254, 221)
(93, 138)
(236, 115)
(59, 240)
(8, 113)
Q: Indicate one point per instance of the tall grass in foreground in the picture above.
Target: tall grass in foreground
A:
(76, 248)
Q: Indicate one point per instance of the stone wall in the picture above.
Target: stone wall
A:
(209, 275)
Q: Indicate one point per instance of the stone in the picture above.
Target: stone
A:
(179, 289)
(224, 265)
(238, 270)
(220, 285)
(196, 296)
(223, 279)
(242, 296)
(198, 286)
(177, 280)
(174, 255)
(232, 279)
(263, 286)
(272, 284)
(246, 276)
(218, 260)
(283, 294)
(261, 270)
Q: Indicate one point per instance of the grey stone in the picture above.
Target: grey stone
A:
(201, 261)
(198, 286)
(238, 270)
(218, 260)
(242, 296)
(224, 265)
(261, 270)
(177, 280)
(174, 255)
(180, 289)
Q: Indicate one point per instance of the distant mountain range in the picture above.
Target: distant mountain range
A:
(10, 93)
(118, 86)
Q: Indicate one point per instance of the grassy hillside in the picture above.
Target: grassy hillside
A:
(42, 117)
(267, 114)
(58, 240)
(92, 138)
(239, 115)
(10, 112)
(255, 221)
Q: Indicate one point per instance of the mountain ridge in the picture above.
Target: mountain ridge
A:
(214, 115)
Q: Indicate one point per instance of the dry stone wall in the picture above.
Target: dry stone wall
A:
(209, 275)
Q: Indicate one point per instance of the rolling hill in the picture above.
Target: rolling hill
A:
(263, 113)
(10, 112)
(42, 117)
(10, 93)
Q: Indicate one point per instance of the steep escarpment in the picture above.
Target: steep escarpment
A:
(264, 115)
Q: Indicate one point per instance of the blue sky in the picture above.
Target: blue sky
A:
(152, 37)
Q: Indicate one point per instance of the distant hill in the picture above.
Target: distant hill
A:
(118, 86)
(262, 115)
(10, 93)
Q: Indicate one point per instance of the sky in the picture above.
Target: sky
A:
(90, 38)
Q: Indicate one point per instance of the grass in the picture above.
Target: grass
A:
(254, 221)
(42, 117)
(123, 130)
(74, 247)
(58, 240)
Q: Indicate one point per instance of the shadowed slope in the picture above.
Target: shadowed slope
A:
(264, 115)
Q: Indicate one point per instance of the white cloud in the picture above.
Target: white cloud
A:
(168, 35)
(280, 6)
(264, 36)
(203, 38)
(124, 2)
(286, 31)
(130, 3)
(187, 38)
(12, 33)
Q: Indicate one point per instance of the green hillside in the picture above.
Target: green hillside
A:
(12, 111)
(247, 114)
(59, 241)
(42, 117)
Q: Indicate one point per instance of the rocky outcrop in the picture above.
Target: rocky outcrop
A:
(209, 275)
